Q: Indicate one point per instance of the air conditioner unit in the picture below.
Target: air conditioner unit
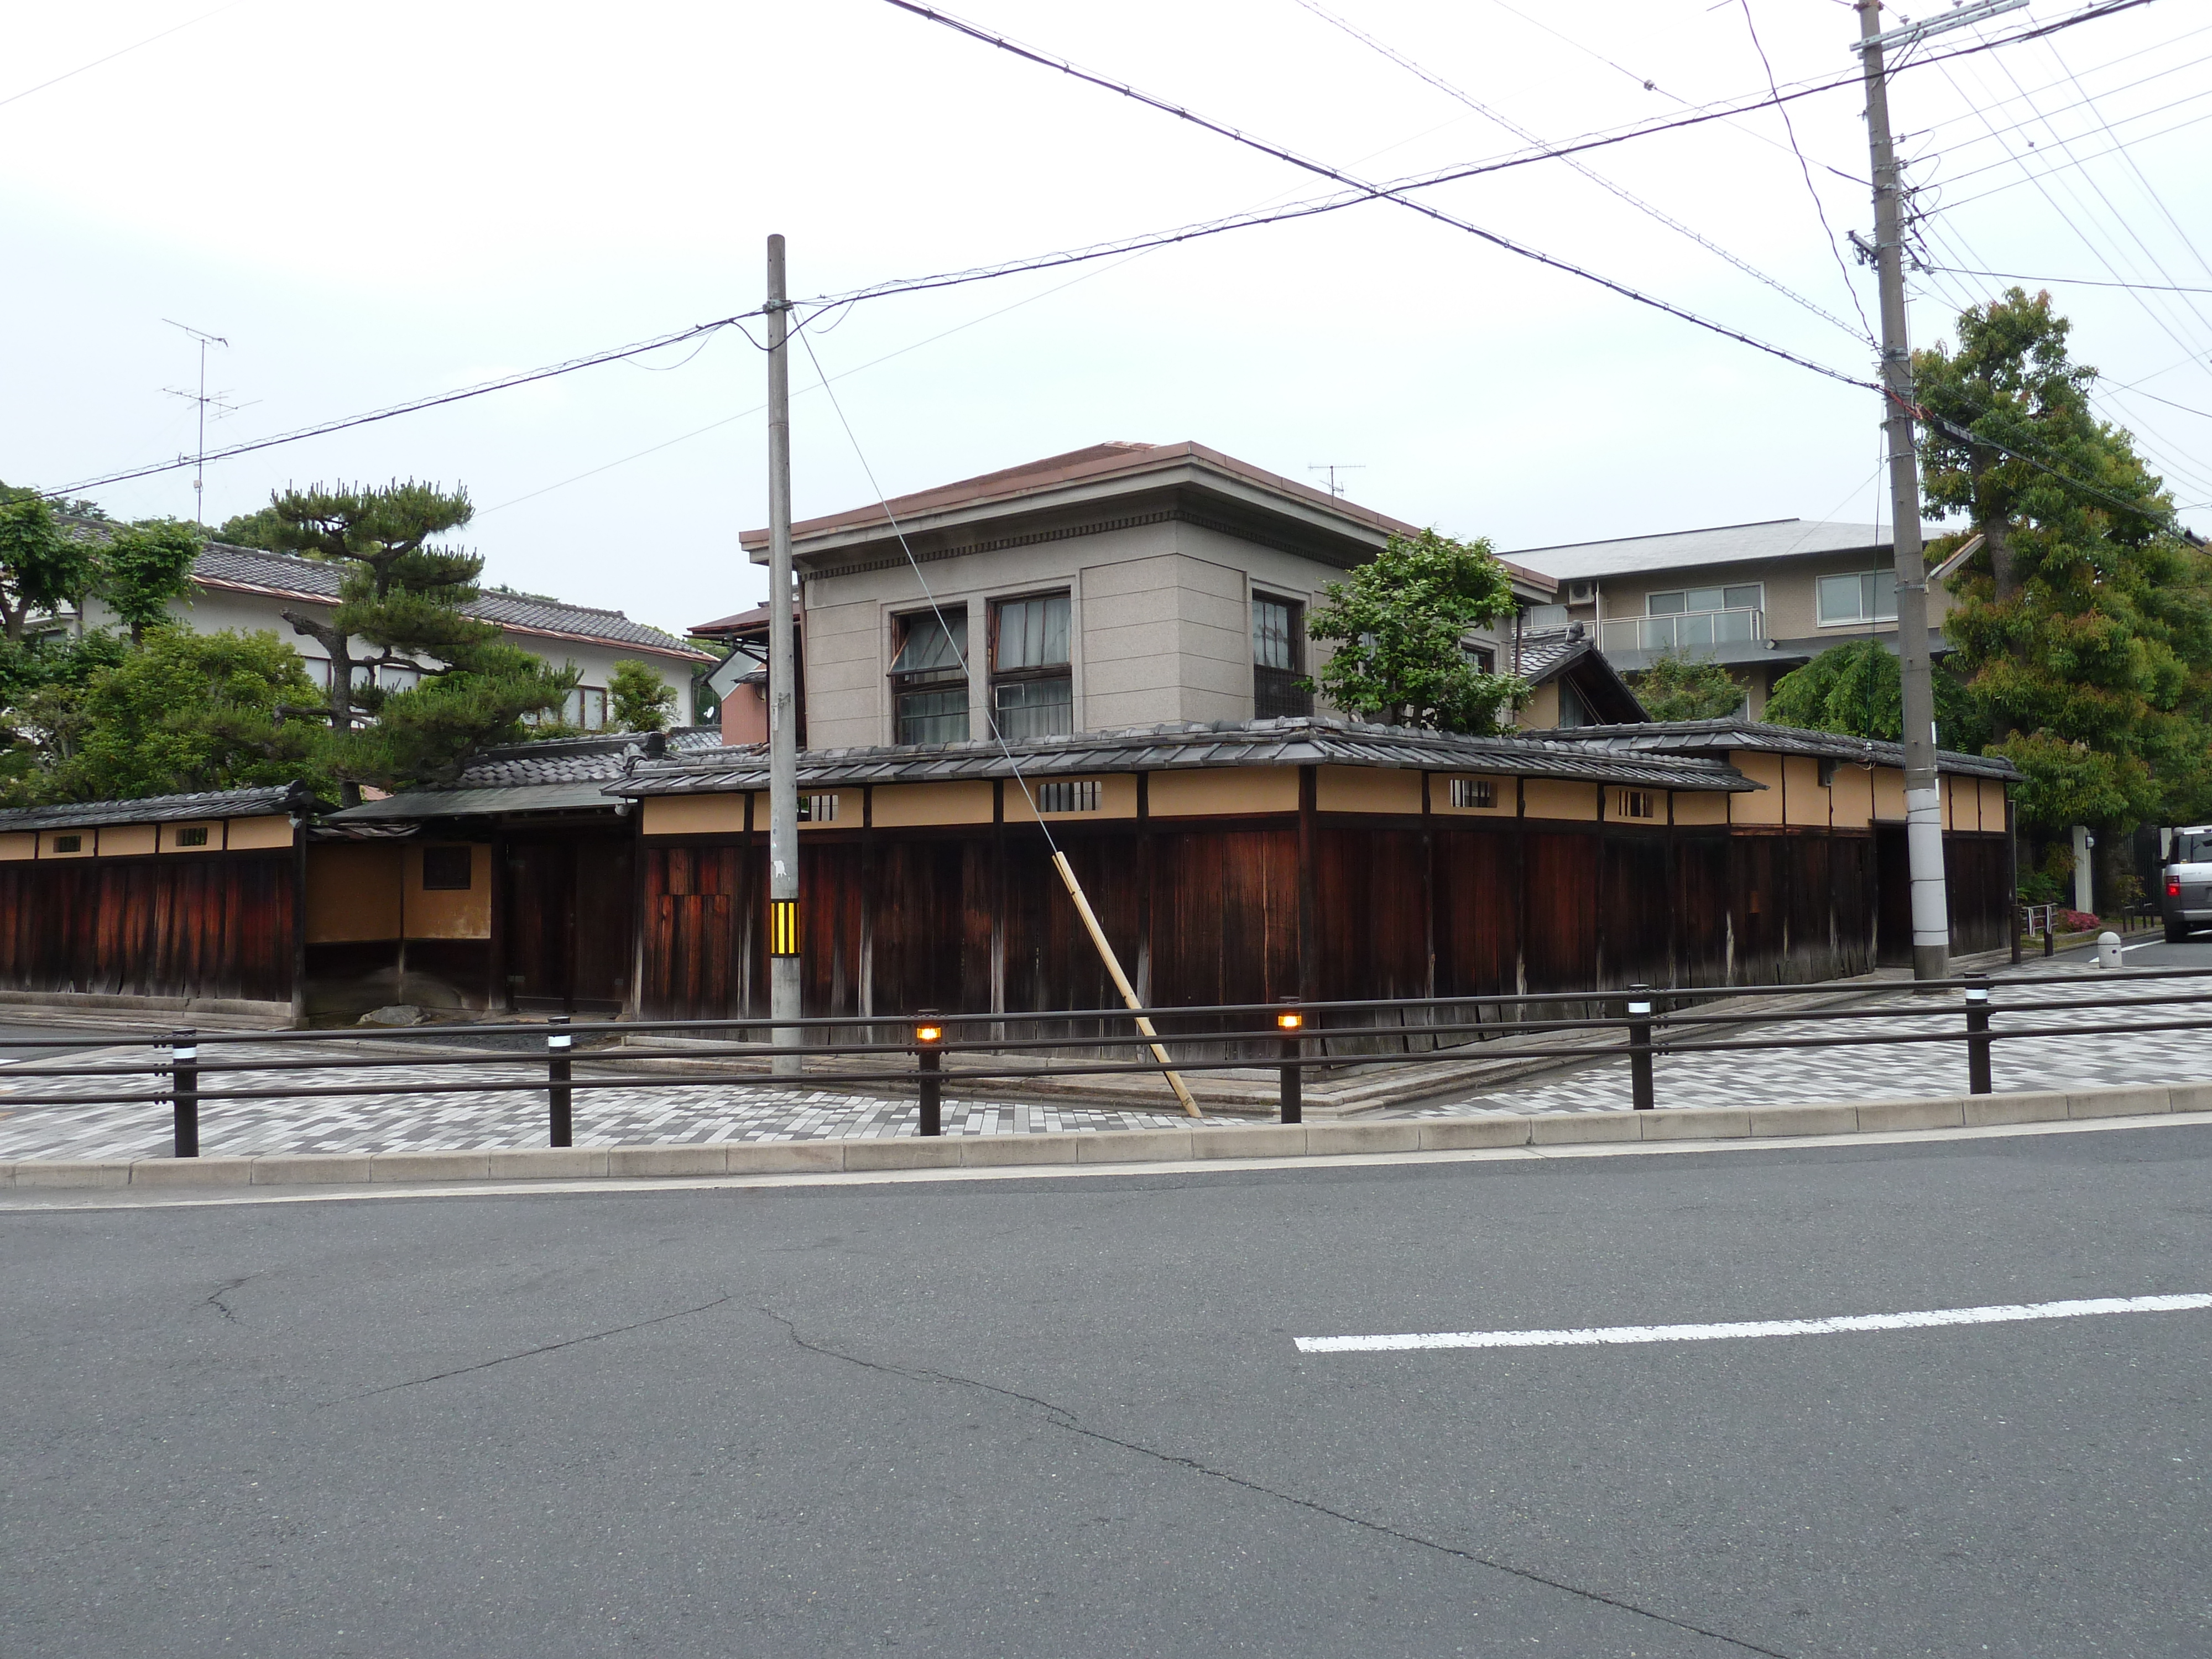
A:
(1582, 592)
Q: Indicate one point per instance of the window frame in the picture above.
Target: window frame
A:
(1276, 693)
(1048, 672)
(954, 678)
(1867, 617)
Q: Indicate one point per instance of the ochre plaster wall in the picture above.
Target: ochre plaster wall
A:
(353, 891)
(1558, 798)
(1232, 789)
(449, 912)
(1368, 789)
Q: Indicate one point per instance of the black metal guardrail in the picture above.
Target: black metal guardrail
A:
(1647, 1016)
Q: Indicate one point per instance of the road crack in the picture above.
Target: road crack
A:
(526, 1353)
(215, 1299)
(1061, 1418)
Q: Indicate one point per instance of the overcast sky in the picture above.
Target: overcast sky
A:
(373, 203)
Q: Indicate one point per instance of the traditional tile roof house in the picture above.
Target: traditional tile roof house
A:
(249, 589)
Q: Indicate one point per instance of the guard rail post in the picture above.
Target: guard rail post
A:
(1977, 1034)
(1290, 1022)
(1639, 1047)
(557, 1062)
(2049, 929)
(927, 1034)
(184, 1089)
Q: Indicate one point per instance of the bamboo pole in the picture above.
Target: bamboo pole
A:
(1121, 979)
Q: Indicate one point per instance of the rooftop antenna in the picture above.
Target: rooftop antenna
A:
(203, 398)
(1332, 468)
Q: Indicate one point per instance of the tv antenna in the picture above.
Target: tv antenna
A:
(1332, 468)
(206, 399)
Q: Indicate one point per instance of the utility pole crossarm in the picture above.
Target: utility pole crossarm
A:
(1923, 810)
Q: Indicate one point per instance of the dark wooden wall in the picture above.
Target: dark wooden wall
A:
(975, 919)
(211, 925)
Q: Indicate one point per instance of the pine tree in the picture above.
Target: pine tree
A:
(403, 596)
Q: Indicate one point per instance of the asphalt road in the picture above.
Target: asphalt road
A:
(1067, 1418)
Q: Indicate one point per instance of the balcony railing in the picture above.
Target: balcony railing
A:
(1689, 630)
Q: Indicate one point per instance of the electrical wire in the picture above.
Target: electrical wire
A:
(125, 51)
(1596, 178)
(2142, 178)
(899, 530)
(1789, 128)
(1376, 192)
(2061, 282)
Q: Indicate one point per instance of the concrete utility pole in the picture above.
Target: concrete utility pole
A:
(783, 965)
(1923, 806)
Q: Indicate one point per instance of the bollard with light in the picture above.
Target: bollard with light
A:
(1639, 1047)
(184, 1089)
(928, 1036)
(558, 1044)
(1290, 1022)
(1977, 1034)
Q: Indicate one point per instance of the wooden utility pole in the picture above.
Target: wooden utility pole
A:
(784, 934)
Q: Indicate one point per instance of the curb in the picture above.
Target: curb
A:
(1435, 1134)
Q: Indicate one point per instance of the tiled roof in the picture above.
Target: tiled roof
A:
(1098, 464)
(1295, 742)
(1718, 736)
(1684, 550)
(164, 809)
(253, 570)
(559, 775)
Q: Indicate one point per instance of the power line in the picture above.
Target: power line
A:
(123, 53)
(2061, 282)
(1589, 173)
(1378, 192)
(413, 406)
(1789, 128)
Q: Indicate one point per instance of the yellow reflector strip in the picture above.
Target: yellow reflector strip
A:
(783, 927)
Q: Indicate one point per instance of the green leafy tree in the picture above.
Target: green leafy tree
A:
(184, 712)
(1401, 624)
(1676, 687)
(142, 568)
(43, 568)
(256, 529)
(2083, 624)
(403, 595)
(1857, 688)
(641, 699)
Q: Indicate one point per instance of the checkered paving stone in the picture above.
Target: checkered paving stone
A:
(1784, 1077)
(406, 1119)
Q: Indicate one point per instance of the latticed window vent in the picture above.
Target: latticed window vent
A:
(69, 843)
(193, 835)
(1638, 804)
(1070, 795)
(1474, 792)
(817, 809)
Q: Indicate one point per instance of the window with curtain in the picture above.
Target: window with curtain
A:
(1277, 659)
(1032, 687)
(929, 678)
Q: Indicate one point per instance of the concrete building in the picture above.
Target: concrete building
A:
(248, 590)
(1119, 585)
(1762, 599)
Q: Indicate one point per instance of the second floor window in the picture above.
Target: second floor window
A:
(1032, 689)
(1277, 659)
(1868, 596)
(1748, 596)
(929, 678)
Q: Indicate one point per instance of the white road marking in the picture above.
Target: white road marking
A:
(1603, 1335)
